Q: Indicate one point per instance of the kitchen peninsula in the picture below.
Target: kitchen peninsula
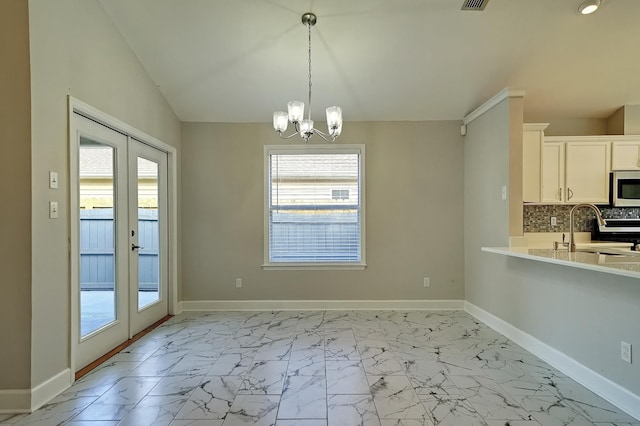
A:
(617, 261)
(572, 315)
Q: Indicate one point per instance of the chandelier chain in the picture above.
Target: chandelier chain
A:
(309, 112)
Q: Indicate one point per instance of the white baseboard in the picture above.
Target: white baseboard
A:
(318, 305)
(612, 392)
(179, 308)
(49, 389)
(28, 400)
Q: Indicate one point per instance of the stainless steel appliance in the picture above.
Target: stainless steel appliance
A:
(625, 188)
(622, 230)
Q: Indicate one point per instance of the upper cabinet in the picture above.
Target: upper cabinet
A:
(575, 170)
(587, 167)
(532, 140)
(553, 166)
(625, 155)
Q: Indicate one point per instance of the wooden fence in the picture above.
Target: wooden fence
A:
(97, 260)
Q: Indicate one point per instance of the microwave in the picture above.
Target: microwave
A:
(625, 189)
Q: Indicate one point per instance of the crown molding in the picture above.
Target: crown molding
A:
(499, 97)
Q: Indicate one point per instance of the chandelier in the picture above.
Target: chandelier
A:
(304, 127)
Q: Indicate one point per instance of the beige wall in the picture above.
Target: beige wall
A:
(75, 50)
(615, 123)
(625, 121)
(583, 314)
(413, 215)
(632, 120)
(486, 216)
(15, 187)
(573, 126)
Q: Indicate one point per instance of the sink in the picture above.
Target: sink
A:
(608, 259)
(609, 256)
(612, 251)
(594, 245)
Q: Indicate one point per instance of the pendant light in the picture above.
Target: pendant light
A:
(295, 115)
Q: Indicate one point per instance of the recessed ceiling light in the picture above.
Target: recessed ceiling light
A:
(589, 6)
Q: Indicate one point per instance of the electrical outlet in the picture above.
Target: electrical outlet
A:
(427, 282)
(238, 282)
(504, 193)
(625, 351)
(554, 221)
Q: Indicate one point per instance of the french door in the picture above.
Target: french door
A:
(148, 299)
(119, 265)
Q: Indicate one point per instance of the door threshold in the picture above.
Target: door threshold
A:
(93, 365)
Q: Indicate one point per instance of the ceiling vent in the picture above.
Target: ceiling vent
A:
(474, 4)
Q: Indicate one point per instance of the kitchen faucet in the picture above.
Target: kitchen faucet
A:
(601, 222)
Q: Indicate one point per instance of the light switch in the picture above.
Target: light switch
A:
(504, 192)
(53, 209)
(53, 180)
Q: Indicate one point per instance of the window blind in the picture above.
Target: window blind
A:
(314, 207)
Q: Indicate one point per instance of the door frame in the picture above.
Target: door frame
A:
(86, 110)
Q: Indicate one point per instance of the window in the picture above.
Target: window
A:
(314, 215)
(340, 194)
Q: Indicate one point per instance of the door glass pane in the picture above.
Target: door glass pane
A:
(148, 233)
(97, 236)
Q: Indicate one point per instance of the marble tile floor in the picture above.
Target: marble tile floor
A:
(325, 368)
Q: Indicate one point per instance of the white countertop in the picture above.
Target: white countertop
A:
(546, 239)
(616, 260)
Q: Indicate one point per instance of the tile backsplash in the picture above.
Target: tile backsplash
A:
(537, 217)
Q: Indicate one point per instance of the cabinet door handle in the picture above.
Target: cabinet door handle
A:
(569, 194)
(560, 194)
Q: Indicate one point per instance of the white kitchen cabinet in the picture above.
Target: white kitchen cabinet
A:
(532, 140)
(553, 165)
(625, 155)
(575, 170)
(587, 167)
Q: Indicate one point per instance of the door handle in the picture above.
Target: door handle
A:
(569, 194)
(135, 247)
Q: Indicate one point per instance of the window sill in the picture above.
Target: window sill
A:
(315, 266)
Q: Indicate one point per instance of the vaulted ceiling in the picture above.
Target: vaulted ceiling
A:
(240, 60)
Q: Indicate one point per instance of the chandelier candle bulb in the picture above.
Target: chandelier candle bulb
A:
(296, 111)
(280, 121)
(334, 117)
